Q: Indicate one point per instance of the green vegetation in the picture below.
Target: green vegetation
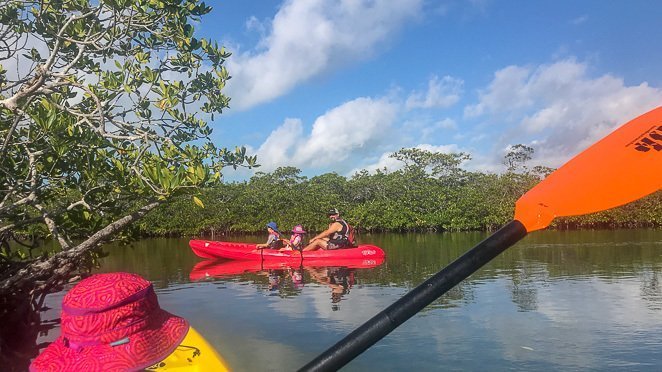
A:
(103, 117)
(430, 193)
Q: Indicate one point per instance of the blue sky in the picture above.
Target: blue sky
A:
(337, 86)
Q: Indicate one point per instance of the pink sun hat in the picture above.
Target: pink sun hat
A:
(112, 322)
(298, 229)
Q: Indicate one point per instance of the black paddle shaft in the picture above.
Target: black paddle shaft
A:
(386, 321)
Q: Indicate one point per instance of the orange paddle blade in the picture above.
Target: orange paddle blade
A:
(622, 167)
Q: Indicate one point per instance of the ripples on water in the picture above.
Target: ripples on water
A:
(556, 301)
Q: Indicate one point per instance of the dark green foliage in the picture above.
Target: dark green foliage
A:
(102, 115)
(418, 198)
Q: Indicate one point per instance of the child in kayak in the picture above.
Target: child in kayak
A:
(274, 241)
(296, 240)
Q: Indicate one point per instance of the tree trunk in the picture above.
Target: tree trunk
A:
(19, 313)
(55, 270)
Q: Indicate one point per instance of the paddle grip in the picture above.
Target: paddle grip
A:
(415, 300)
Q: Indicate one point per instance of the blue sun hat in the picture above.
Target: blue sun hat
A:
(272, 225)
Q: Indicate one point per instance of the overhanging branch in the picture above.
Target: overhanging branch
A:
(60, 265)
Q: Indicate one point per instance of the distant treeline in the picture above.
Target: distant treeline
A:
(431, 193)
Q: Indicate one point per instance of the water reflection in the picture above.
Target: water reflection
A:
(283, 279)
(651, 290)
(575, 300)
(339, 279)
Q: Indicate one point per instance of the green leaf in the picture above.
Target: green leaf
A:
(150, 148)
(200, 172)
(198, 202)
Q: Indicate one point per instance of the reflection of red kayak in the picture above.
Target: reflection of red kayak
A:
(211, 268)
(244, 251)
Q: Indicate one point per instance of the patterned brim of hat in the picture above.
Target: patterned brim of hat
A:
(112, 322)
(298, 229)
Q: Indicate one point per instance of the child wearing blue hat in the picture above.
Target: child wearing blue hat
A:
(274, 241)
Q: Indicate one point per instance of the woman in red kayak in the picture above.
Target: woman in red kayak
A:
(339, 235)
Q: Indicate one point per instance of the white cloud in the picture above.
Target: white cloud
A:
(310, 37)
(510, 80)
(444, 92)
(341, 133)
(561, 106)
(420, 128)
(444, 124)
(444, 149)
(391, 165)
(558, 109)
(276, 150)
(384, 161)
(579, 20)
(256, 25)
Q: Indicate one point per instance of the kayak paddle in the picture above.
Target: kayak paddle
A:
(622, 167)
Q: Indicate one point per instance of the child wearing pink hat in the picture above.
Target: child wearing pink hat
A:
(296, 239)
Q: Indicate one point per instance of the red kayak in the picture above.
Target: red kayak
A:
(245, 251)
(213, 268)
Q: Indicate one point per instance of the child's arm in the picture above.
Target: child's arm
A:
(265, 245)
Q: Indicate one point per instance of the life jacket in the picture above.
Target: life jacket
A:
(345, 235)
(276, 243)
(298, 245)
(351, 237)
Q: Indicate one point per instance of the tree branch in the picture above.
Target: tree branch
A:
(52, 227)
(61, 263)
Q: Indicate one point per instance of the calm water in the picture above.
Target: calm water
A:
(580, 300)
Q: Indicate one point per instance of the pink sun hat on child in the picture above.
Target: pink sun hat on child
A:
(298, 229)
(112, 322)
